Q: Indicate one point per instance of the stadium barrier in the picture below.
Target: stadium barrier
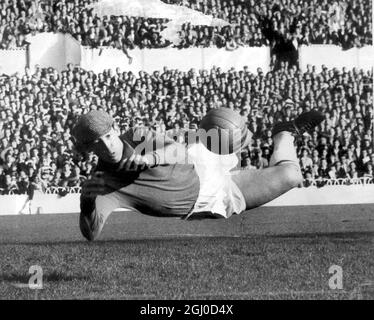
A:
(13, 61)
(57, 50)
(333, 192)
(12, 204)
(54, 203)
(321, 182)
(328, 195)
(150, 60)
(318, 55)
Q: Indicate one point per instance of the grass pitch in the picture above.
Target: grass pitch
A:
(185, 267)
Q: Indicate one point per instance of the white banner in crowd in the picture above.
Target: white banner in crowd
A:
(157, 9)
(336, 16)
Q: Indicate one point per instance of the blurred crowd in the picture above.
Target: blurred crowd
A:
(271, 22)
(346, 23)
(39, 108)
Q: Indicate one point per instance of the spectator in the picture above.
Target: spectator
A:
(278, 24)
(38, 146)
(368, 173)
(306, 162)
(259, 161)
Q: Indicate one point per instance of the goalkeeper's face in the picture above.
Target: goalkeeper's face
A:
(109, 147)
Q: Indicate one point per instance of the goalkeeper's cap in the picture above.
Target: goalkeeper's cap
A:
(91, 126)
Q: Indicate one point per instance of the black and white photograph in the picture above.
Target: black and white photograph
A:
(186, 150)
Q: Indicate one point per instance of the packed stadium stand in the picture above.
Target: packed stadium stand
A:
(272, 22)
(37, 109)
(344, 23)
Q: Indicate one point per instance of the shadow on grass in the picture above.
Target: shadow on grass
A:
(341, 236)
(100, 242)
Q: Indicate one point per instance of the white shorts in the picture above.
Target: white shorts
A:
(218, 192)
